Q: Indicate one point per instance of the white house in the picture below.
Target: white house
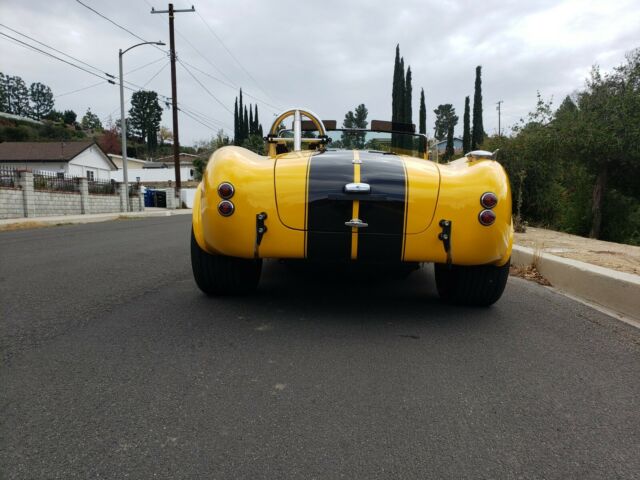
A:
(132, 163)
(78, 159)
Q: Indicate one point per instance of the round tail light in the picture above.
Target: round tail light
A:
(488, 200)
(487, 217)
(226, 190)
(226, 208)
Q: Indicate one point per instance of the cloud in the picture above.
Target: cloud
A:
(327, 56)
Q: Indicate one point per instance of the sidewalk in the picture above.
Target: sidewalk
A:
(35, 222)
(616, 256)
(603, 274)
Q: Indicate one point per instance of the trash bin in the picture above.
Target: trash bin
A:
(148, 198)
(160, 199)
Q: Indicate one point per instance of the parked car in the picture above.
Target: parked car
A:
(351, 195)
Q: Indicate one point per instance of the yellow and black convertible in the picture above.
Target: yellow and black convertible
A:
(350, 195)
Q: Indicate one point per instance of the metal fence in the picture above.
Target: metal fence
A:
(103, 187)
(56, 182)
(9, 177)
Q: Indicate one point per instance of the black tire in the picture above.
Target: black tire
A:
(223, 275)
(480, 285)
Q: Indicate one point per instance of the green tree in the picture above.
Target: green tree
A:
(445, 117)
(236, 124)
(407, 110)
(466, 132)
(145, 116)
(90, 121)
(245, 125)
(54, 116)
(448, 152)
(357, 120)
(41, 100)
(603, 133)
(397, 94)
(422, 122)
(241, 120)
(69, 117)
(17, 96)
(4, 100)
(477, 131)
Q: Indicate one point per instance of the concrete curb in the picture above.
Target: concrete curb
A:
(616, 291)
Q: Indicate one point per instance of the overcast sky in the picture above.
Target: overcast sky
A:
(327, 56)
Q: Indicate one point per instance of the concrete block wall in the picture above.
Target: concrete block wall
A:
(11, 203)
(55, 203)
(103, 203)
(25, 201)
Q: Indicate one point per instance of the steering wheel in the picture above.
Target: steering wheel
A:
(298, 113)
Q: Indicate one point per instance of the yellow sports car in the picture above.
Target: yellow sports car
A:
(351, 195)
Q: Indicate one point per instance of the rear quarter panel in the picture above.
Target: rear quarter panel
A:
(461, 185)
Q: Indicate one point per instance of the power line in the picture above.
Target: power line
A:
(58, 51)
(157, 73)
(267, 104)
(205, 88)
(79, 90)
(55, 57)
(146, 65)
(232, 55)
(203, 57)
(210, 127)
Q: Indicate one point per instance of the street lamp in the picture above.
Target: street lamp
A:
(123, 123)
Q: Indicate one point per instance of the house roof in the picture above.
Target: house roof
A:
(45, 151)
(129, 159)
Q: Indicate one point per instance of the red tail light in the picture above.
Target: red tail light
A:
(226, 190)
(488, 200)
(487, 217)
(226, 208)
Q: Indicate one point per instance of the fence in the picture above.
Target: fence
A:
(102, 187)
(9, 177)
(55, 182)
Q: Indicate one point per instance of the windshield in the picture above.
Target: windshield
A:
(399, 143)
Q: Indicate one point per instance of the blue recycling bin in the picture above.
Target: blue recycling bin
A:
(148, 198)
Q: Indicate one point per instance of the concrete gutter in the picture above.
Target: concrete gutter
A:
(613, 290)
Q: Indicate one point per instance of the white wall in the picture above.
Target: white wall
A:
(153, 174)
(91, 159)
(187, 195)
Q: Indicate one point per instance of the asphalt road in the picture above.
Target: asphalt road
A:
(114, 365)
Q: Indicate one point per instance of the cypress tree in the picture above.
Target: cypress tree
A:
(466, 133)
(448, 152)
(236, 137)
(255, 119)
(241, 126)
(408, 110)
(251, 125)
(477, 132)
(397, 93)
(422, 122)
(245, 125)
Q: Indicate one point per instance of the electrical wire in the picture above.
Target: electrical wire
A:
(232, 55)
(79, 90)
(56, 50)
(54, 56)
(205, 88)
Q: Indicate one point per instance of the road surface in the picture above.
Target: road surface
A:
(115, 366)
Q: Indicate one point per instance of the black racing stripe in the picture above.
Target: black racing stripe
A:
(327, 236)
(383, 239)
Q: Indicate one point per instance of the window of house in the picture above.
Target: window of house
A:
(60, 174)
(90, 175)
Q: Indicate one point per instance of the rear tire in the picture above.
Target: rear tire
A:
(221, 274)
(480, 285)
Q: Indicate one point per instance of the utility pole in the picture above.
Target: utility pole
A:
(174, 93)
(498, 108)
